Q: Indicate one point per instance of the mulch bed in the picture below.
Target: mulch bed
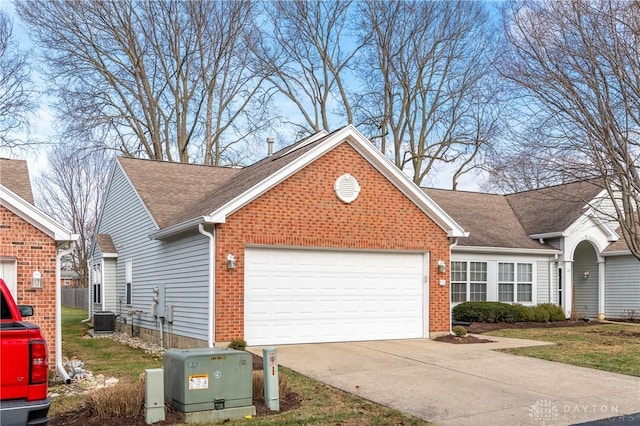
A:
(82, 416)
(461, 340)
(484, 327)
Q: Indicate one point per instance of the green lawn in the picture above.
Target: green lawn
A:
(320, 404)
(608, 347)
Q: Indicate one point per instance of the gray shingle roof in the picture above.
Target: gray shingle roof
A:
(555, 208)
(177, 192)
(488, 218)
(105, 243)
(168, 189)
(14, 175)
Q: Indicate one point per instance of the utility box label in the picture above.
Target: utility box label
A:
(198, 381)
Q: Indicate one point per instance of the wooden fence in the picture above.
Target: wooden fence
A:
(75, 297)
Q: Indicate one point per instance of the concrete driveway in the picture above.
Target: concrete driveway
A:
(467, 384)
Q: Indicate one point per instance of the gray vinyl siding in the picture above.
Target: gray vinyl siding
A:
(180, 266)
(585, 291)
(543, 281)
(622, 290)
(109, 284)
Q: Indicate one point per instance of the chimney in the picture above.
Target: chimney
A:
(270, 141)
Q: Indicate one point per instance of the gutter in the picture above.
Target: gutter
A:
(486, 249)
(59, 368)
(212, 285)
(453, 242)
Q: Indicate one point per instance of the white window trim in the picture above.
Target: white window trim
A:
(516, 282)
(469, 281)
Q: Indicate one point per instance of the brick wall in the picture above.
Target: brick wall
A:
(304, 211)
(33, 250)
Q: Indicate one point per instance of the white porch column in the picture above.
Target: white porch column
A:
(567, 288)
(601, 313)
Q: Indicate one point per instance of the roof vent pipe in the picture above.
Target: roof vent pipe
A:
(270, 142)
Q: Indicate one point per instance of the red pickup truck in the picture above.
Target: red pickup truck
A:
(24, 369)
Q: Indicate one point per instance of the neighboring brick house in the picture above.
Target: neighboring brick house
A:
(31, 244)
(325, 240)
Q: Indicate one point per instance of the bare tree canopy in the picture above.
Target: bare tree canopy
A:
(306, 53)
(429, 97)
(16, 91)
(579, 65)
(71, 192)
(163, 80)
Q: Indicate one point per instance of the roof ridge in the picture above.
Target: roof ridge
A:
(557, 185)
(180, 163)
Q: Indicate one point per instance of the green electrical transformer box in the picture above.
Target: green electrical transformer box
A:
(207, 379)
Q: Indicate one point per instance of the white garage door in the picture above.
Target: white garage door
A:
(308, 296)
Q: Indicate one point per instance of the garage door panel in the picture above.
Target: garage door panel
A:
(306, 296)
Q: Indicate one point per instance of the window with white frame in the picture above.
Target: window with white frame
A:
(458, 282)
(506, 279)
(128, 280)
(96, 275)
(468, 281)
(525, 282)
(477, 281)
(515, 282)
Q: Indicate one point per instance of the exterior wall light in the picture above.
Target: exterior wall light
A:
(231, 261)
(36, 280)
(442, 266)
(586, 275)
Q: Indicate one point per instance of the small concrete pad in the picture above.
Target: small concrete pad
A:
(468, 384)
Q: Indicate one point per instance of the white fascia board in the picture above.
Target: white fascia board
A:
(616, 253)
(178, 228)
(34, 216)
(502, 250)
(549, 235)
(412, 191)
(110, 255)
(609, 232)
(359, 142)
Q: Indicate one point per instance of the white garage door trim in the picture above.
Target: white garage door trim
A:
(9, 272)
(315, 295)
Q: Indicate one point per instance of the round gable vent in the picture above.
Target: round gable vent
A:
(346, 188)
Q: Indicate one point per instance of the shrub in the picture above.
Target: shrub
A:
(238, 344)
(525, 313)
(540, 314)
(555, 312)
(121, 400)
(459, 331)
(258, 384)
(485, 312)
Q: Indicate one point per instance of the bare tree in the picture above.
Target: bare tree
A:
(428, 99)
(306, 53)
(71, 192)
(163, 80)
(579, 64)
(16, 93)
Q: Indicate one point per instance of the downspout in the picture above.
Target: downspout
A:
(212, 284)
(553, 273)
(59, 368)
(89, 286)
(454, 242)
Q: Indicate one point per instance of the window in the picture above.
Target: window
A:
(458, 281)
(128, 280)
(525, 282)
(97, 283)
(478, 281)
(468, 281)
(505, 282)
(515, 279)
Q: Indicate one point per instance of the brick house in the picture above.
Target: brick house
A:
(31, 245)
(325, 240)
